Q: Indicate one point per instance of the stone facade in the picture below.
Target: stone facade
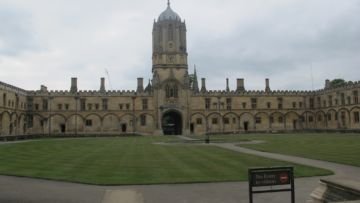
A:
(174, 103)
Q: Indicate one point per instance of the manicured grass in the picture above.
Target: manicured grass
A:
(132, 160)
(339, 148)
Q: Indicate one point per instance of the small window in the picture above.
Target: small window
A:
(145, 104)
(207, 103)
(268, 104)
(258, 120)
(253, 103)
(281, 119)
(105, 104)
(228, 103)
(96, 106)
(294, 105)
(66, 106)
(280, 103)
(244, 105)
(234, 120)
(199, 121)
(121, 106)
(60, 106)
(127, 106)
(226, 121)
(311, 119)
(88, 122)
(214, 121)
(82, 104)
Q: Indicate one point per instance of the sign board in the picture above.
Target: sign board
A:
(279, 176)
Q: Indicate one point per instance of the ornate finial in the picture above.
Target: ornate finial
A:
(169, 3)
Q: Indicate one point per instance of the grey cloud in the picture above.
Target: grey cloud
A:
(16, 35)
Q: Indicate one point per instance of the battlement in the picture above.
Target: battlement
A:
(8, 87)
(256, 93)
(88, 93)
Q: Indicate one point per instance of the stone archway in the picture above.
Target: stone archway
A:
(172, 123)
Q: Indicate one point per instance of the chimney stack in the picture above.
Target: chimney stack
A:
(203, 85)
(74, 87)
(267, 85)
(240, 85)
(43, 88)
(227, 85)
(140, 85)
(102, 85)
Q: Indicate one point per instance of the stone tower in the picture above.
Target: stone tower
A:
(171, 83)
(169, 45)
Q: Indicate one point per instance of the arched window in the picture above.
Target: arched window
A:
(171, 91)
(171, 33)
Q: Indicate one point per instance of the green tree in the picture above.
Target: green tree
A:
(338, 82)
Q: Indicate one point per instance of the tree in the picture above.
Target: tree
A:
(337, 82)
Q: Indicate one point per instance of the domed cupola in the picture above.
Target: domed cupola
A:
(169, 41)
(169, 14)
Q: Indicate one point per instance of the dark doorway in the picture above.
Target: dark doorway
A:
(62, 128)
(123, 128)
(246, 126)
(11, 129)
(172, 123)
(192, 128)
(294, 124)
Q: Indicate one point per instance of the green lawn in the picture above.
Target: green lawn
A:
(131, 160)
(333, 147)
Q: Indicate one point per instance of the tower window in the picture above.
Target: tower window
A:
(171, 91)
(171, 33)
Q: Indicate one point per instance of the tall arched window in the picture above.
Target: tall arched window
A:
(171, 33)
(171, 91)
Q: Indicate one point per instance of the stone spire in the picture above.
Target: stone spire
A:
(148, 87)
(168, 3)
(195, 86)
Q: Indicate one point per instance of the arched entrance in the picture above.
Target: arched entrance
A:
(172, 123)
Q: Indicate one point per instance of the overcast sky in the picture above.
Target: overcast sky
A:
(289, 41)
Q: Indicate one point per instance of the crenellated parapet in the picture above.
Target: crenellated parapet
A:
(88, 93)
(11, 88)
(256, 93)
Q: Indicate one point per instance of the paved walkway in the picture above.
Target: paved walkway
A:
(27, 190)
